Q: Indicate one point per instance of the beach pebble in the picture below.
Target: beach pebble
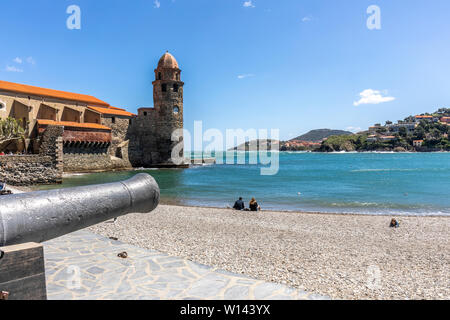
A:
(342, 256)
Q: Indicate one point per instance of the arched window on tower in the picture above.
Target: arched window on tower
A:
(164, 87)
(175, 87)
(159, 75)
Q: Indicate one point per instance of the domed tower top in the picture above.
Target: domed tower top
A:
(167, 69)
(167, 61)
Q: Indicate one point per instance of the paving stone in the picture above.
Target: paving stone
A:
(187, 274)
(170, 278)
(104, 276)
(207, 287)
(173, 294)
(124, 287)
(314, 296)
(176, 264)
(281, 297)
(180, 285)
(168, 259)
(199, 269)
(155, 286)
(60, 296)
(95, 270)
(237, 293)
(153, 266)
(266, 289)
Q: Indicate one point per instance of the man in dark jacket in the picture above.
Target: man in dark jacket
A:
(239, 205)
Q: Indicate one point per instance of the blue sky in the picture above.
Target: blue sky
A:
(290, 64)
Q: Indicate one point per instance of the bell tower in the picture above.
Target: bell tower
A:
(168, 106)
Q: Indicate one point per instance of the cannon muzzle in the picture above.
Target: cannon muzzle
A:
(44, 215)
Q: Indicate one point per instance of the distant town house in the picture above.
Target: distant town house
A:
(445, 120)
(417, 143)
(372, 138)
(395, 128)
(426, 118)
(387, 138)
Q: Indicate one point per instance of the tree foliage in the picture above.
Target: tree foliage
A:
(10, 129)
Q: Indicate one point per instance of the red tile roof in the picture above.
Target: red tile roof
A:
(73, 124)
(113, 111)
(37, 91)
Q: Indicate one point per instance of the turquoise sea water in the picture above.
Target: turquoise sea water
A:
(375, 183)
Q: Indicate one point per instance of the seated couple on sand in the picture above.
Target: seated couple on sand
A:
(253, 205)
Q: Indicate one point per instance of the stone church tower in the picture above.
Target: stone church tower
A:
(153, 127)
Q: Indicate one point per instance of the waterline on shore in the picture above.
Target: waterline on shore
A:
(351, 183)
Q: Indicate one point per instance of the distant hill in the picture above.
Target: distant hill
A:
(320, 134)
(254, 145)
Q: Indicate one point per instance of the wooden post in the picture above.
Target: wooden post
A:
(22, 272)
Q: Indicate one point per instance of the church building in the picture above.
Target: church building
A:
(97, 136)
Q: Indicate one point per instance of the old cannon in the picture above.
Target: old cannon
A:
(31, 218)
(44, 215)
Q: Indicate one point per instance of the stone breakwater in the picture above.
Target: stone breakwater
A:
(341, 256)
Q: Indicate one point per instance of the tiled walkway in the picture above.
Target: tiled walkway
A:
(84, 265)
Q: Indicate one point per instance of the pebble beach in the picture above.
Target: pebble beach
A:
(342, 256)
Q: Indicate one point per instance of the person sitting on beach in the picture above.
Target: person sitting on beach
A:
(394, 224)
(239, 205)
(254, 205)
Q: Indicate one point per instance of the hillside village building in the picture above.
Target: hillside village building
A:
(94, 135)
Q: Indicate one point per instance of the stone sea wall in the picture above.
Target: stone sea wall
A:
(93, 162)
(44, 168)
(29, 170)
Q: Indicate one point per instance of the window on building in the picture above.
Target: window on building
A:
(159, 75)
(113, 119)
(176, 110)
(164, 88)
(175, 87)
(2, 106)
(130, 122)
(145, 113)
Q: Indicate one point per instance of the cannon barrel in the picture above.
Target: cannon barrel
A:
(44, 215)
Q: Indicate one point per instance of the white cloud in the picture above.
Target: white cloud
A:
(370, 96)
(157, 4)
(307, 19)
(18, 60)
(30, 60)
(13, 69)
(248, 4)
(243, 76)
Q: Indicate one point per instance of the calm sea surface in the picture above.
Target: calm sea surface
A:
(375, 183)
